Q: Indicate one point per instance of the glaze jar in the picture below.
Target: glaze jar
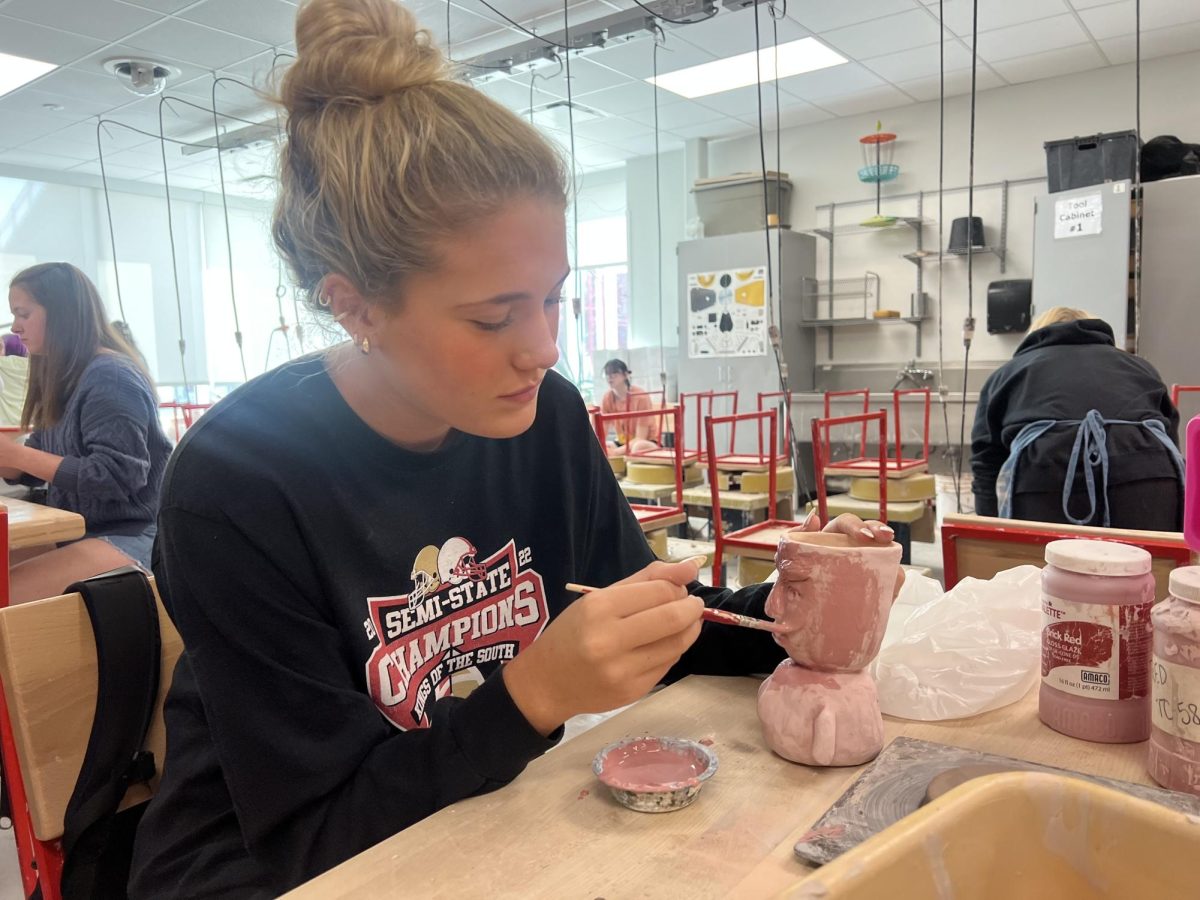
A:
(1174, 752)
(1096, 640)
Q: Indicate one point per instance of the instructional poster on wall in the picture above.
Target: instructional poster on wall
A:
(727, 313)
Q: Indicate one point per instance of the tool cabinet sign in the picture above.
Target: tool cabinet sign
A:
(1078, 216)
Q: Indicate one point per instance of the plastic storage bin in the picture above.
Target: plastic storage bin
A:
(1081, 161)
(1027, 835)
(734, 204)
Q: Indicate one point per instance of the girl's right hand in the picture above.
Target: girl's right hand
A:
(607, 649)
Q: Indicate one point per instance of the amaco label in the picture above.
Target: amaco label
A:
(1094, 650)
(1175, 699)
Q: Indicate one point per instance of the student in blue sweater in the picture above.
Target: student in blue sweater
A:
(96, 442)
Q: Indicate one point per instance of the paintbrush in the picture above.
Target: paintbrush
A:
(720, 616)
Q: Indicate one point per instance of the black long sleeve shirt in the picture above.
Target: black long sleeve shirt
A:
(1061, 372)
(333, 591)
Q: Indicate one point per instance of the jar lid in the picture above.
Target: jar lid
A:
(1098, 557)
(1185, 583)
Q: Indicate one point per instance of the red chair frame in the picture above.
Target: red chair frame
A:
(786, 396)
(743, 537)
(1177, 389)
(644, 511)
(36, 859)
(820, 462)
(702, 413)
(188, 411)
(828, 414)
(952, 531)
(923, 459)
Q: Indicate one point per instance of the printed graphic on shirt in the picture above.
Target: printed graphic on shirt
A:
(460, 614)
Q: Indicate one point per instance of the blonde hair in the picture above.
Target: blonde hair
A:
(387, 152)
(1058, 315)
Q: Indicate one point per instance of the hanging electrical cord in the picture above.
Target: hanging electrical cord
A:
(576, 299)
(162, 144)
(237, 324)
(969, 322)
(455, 62)
(943, 390)
(775, 335)
(112, 234)
(533, 34)
(660, 38)
(554, 57)
(1137, 173)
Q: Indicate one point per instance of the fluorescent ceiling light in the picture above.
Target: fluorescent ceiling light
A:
(795, 58)
(17, 70)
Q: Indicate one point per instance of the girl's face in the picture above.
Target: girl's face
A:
(619, 382)
(469, 343)
(29, 319)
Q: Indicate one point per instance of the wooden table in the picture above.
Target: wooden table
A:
(556, 832)
(35, 525)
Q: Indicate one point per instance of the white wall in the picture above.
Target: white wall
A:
(645, 265)
(1011, 125)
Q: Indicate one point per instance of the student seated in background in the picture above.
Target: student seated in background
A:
(96, 439)
(1075, 431)
(632, 435)
(14, 377)
(350, 537)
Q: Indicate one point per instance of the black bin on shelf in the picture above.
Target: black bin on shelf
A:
(1081, 161)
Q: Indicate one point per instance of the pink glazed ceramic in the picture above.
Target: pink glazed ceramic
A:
(820, 718)
(834, 596)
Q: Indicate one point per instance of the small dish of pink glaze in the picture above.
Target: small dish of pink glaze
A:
(650, 774)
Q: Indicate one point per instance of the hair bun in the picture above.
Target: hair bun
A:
(358, 50)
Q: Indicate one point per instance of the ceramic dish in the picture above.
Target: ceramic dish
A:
(650, 774)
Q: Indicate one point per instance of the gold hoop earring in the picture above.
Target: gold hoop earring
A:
(365, 346)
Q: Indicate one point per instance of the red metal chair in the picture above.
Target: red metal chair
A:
(901, 463)
(785, 422)
(648, 514)
(188, 412)
(761, 539)
(1177, 389)
(863, 464)
(820, 438)
(704, 408)
(34, 857)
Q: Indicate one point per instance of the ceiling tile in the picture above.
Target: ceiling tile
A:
(799, 113)
(40, 103)
(26, 157)
(677, 115)
(1160, 42)
(732, 32)
(720, 129)
(612, 128)
(601, 156)
(743, 102)
(956, 83)
(822, 15)
(835, 81)
(1031, 37)
(586, 77)
(160, 6)
(645, 146)
(21, 128)
(56, 146)
(515, 95)
(127, 172)
(888, 34)
(270, 21)
(93, 64)
(83, 136)
(919, 62)
(621, 101)
(106, 20)
(258, 70)
(1088, 4)
(1119, 18)
(204, 47)
(46, 44)
(1063, 61)
(885, 97)
(634, 58)
(958, 13)
(93, 93)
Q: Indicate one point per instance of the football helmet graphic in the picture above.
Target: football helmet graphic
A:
(456, 562)
(424, 575)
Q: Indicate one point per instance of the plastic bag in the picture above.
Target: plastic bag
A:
(964, 652)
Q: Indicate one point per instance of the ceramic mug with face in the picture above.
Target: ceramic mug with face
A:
(835, 596)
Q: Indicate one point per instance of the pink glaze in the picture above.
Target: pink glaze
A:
(820, 718)
(834, 598)
(1173, 756)
(650, 765)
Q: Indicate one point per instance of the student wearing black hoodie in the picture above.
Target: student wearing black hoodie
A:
(1073, 430)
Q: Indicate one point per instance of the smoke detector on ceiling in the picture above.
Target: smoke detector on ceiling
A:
(144, 77)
